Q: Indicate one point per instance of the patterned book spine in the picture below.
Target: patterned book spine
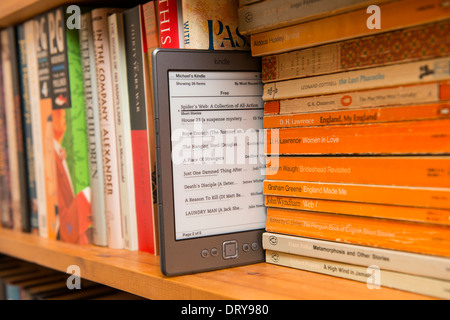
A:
(99, 236)
(371, 78)
(423, 42)
(31, 40)
(212, 25)
(27, 129)
(108, 127)
(69, 131)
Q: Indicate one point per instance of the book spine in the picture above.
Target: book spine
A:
(415, 137)
(31, 40)
(212, 25)
(15, 134)
(140, 116)
(122, 109)
(99, 236)
(388, 234)
(273, 14)
(373, 276)
(400, 171)
(361, 116)
(27, 130)
(5, 196)
(390, 96)
(372, 78)
(406, 45)
(69, 131)
(107, 123)
(424, 215)
(151, 42)
(405, 262)
(347, 25)
(438, 198)
(170, 24)
(47, 137)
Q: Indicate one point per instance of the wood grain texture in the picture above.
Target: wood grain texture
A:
(139, 273)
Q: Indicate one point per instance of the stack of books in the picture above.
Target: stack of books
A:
(357, 134)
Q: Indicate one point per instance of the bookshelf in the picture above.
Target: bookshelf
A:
(139, 273)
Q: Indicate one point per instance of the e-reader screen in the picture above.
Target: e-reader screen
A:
(210, 155)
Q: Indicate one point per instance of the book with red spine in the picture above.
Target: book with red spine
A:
(141, 121)
(170, 24)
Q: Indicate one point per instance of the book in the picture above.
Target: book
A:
(404, 262)
(372, 275)
(371, 78)
(123, 130)
(410, 44)
(5, 196)
(438, 198)
(16, 152)
(107, 124)
(409, 137)
(142, 121)
(149, 45)
(36, 126)
(212, 25)
(170, 21)
(27, 129)
(387, 96)
(364, 209)
(274, 14)
(419, 171)
(406, 236)
(92, 113)
(348, 25)
(360, 116)
(46, 146)
(70, 144)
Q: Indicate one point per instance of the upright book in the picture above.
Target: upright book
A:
(17, 166)
(69, 130)
(92, 113)
(108, 126)
(47, 160)
(142, 121)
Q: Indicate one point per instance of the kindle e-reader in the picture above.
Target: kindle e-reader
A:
(208, 112)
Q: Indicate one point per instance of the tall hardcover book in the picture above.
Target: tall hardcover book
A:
(69, 130)
(99, 236)
(141, 117)
(31, 42)
(27, 129)
(212, 25)
(17, 166)
(108, 126)
(123, 130)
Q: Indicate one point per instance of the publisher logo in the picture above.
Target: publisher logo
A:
(74, 280)
(374, 279)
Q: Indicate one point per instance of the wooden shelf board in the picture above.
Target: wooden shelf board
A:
(139, 273)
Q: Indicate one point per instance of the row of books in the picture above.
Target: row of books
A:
(357, 134)
(77, 152)
(20, 280)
